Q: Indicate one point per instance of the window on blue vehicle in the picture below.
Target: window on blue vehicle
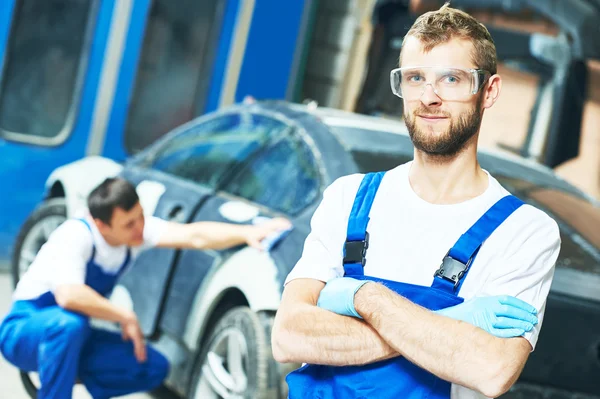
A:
(172, 71)
(205, 153)
(43, 65)
(285, 177)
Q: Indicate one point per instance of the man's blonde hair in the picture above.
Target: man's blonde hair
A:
(437, 27)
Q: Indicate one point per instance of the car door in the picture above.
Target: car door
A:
(269, 184)
(173, 181)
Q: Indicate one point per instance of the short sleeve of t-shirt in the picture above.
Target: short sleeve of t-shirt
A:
(153, 229)
(527, 270)
(63, 258)
(323, 248)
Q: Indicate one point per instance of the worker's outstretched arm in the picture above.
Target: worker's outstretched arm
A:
(305, 333)
(217, 235)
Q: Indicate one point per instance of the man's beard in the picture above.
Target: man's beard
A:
(449, 143)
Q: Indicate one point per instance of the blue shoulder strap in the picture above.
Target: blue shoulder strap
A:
(127, 256)
(126, 261)
(93, 245)
(456, 264)
(357, 237)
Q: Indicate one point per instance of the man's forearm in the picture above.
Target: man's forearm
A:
(216, 235)
(454, 351)
(83, 299)
(312, 335)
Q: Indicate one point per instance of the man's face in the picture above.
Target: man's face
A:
(436, 126)
(126, 227)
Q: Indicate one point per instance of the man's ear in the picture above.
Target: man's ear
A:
(101, 225)
(492, 91)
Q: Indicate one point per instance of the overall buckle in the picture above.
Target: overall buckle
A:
(356, 251)
(452, 269)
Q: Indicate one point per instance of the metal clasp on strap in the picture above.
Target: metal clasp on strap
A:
(356, 251)
(452, 270)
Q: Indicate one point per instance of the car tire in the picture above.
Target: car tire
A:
(34, 233)
(278, 387)
(30, 387)
(219, 373)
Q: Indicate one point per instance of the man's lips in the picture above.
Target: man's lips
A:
(432, 118)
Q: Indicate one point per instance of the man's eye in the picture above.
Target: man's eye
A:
(451, 79)
(414, 78)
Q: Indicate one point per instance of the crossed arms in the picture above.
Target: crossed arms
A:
(393, 326)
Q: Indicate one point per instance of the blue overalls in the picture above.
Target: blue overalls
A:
(38, 335)
(396, 378)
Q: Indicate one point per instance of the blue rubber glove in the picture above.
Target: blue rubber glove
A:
(338, 296)
(502, 316)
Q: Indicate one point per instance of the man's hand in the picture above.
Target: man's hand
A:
(453, 350)
(305, 333)
(502, 316)
(131, 331)
(338, 296)
(255, 234)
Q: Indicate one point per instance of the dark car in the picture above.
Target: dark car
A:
(211, 312)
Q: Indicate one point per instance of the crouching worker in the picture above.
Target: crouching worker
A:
(48, 329)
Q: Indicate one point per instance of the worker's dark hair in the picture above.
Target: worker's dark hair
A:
(112, 193)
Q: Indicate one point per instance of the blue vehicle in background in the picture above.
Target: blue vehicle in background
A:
(109, 77)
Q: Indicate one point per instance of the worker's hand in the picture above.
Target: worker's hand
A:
(338, 296)
(130, 330)
(502, 316)
(256, 233)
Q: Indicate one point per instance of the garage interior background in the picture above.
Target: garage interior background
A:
(335, 67)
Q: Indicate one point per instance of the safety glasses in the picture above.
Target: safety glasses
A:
(450, 84)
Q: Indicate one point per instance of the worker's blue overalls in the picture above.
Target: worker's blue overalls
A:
(38, 335)
(396, 378)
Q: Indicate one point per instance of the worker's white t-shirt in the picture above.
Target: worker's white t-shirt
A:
(63, 258)
(409, 238)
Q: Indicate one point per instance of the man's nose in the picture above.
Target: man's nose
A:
(429, 96)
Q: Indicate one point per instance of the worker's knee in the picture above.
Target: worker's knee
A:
(71, 326)
(158, 366)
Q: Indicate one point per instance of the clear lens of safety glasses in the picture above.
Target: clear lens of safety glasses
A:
(450, 84)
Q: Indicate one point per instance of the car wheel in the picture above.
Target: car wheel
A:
(34, 233)
(277, 371)
(234, 361)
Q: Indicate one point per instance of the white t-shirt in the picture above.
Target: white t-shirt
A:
(63, 258)
(409, 238)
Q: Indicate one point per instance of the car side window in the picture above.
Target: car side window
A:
(171, 72)
(206, 152)
(41, 77)
(285, 177)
